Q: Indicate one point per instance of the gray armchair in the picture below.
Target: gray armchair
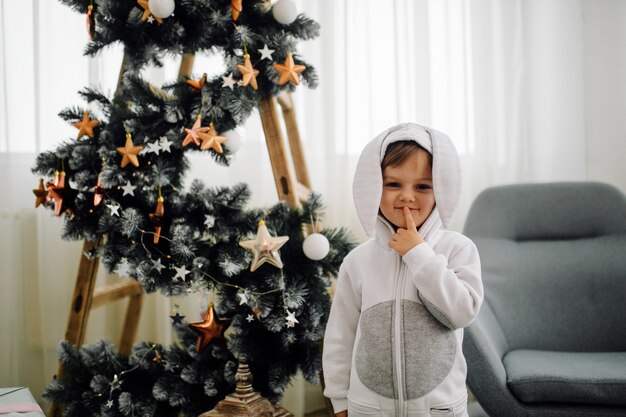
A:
(550, 339)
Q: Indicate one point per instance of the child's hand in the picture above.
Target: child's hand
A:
(406, 239)
(342, 414)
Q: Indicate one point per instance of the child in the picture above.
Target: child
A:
(394, 336)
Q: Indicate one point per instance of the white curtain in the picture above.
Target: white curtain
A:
(503, 78)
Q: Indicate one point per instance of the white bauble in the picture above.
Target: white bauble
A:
(316, 246)
(161, 8)
(234, 140)
(285, 11)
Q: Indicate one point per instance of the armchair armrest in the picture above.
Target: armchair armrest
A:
(484, 346)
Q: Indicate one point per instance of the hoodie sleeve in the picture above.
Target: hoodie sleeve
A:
(339, 339)
(451, 289)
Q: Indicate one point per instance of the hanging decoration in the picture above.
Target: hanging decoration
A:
(197, 85)
(289, 71)
(157, 217)
(247, 71)
(285, 11)
(210, 329)
(40, 194)
(236, 7)
(161, 9)
(211, 140)
(63, 195)
(264, 247)
(234, 140)
(91, 21)
(316, 246)
(147, 13)
(98, 192)
(266, 53)
(193, 134)
(85, 126)
(129, 152)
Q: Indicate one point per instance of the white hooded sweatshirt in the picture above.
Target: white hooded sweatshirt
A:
(393, 342)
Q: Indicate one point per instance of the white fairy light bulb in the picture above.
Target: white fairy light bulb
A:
(161, 8)
(316, 246)
(285, 11)
(234, 140)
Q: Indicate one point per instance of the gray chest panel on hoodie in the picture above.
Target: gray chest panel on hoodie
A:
(428, 350)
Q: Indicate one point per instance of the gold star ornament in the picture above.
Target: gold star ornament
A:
(248, 73)
(129, 152)
(210, 329)
(85, 126)
(289, 71)
(212, 140)
(264, 247)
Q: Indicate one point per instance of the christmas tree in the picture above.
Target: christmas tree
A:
(119, 182)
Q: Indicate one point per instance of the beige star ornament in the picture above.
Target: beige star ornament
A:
(264, 247)
(248, 72)
(85, 126)
(129, 152)
(212, 140)
(193, 134)
(289, 71)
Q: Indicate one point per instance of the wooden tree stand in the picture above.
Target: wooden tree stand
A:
(245, 401)
(290, 189)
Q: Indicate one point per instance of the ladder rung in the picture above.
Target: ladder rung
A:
(105, 295)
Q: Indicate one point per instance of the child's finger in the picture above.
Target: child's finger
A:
(410, 223)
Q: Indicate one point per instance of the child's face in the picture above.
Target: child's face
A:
(408, 184)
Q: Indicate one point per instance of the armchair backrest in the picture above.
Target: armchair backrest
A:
(554, 263)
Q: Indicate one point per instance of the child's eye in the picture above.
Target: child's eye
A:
(392, 184)
(423, 187)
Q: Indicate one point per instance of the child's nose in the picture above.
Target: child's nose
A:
(407, 195)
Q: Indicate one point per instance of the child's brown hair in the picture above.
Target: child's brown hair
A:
(399, 151)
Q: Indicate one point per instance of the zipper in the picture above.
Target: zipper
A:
(398, 337)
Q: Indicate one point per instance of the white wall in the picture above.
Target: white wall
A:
(605, 90)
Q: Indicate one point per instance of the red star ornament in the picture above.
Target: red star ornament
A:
(212, 140)
(249, 74)
(193, 133)
(147, 13)
(197, 85)
(85, 126)
(236, 7)
(63, 196)
(210, 329)
(40, 193)
(129, 152)
(289, 71)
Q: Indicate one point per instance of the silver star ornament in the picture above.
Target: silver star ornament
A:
(264, 247)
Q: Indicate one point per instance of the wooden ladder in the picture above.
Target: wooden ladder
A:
(291, 189)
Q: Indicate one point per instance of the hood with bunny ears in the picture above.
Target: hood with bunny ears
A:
(367, 187)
